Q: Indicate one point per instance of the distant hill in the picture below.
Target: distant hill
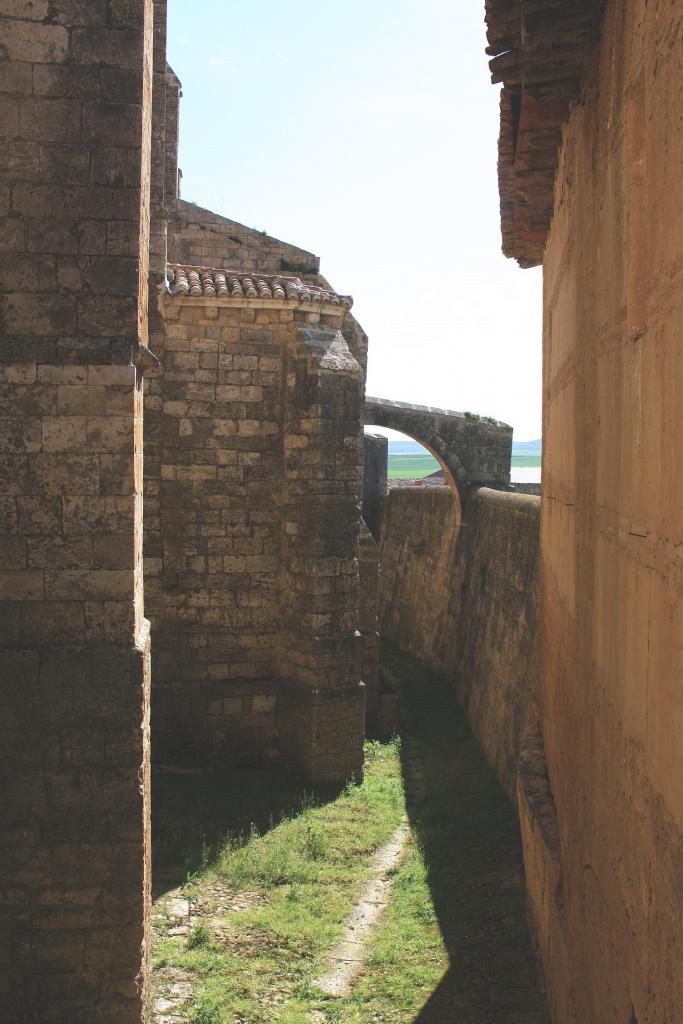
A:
(408, 460)
(527, 446)
(407, 446)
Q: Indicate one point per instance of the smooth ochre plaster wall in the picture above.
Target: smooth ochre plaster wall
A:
(612, 529)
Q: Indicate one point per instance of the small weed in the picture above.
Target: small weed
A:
(308, 801)
(206, 854)
(163, 952)
(205, 1012)
(199, 936)
(333, 1013)
(292, 267)
(316, 844)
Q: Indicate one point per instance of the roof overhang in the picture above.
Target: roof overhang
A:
(211, 286)
(540, 51)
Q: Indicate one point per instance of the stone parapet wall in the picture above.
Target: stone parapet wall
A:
(464, 600)
(497, 655)
(368, 561)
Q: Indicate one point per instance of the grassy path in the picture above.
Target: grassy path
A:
(245, 939)
(248, 936)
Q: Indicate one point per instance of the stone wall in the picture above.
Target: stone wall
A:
(172, 96)
(212, 542)
(322, 708)
(368, 561)
(251, 531)
(612, 533)
(201, 238)
(75, 182)
(471, 448)
(375, 465)
(463, 599)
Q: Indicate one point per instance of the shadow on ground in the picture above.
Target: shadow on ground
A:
(469, 833)
(193, 814)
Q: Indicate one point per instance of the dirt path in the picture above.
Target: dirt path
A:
(173, 917)
(347, 957)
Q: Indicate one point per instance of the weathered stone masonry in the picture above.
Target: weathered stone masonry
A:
(375, 470)
(253, 587)
(251, 501)
(463, 598)
(75, 113)
(458, 564)
(472, 449)
(260, 579)
(323, 704)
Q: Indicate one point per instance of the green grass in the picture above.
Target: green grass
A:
(408, 958)
(457, 914)
(527, 459)
(412, 467)
(415, 467)
(259, 965)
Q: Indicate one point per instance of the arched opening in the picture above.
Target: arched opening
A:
(413, 464)
(525, 468)
(416, 525)
(414, 461)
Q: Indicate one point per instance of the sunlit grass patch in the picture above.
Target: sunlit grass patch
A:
(260, 963)
(408, 957)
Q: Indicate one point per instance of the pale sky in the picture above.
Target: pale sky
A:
(365, 131)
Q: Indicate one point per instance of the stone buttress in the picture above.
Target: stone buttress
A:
(252, 571)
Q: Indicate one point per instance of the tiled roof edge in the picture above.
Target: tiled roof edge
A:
(213, 282)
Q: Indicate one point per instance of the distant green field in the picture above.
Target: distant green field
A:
(414, 467)
(526, 459)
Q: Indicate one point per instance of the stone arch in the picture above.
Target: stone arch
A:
(471, 449)
(435, 446)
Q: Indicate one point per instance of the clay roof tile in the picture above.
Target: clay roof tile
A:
(209, 282)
